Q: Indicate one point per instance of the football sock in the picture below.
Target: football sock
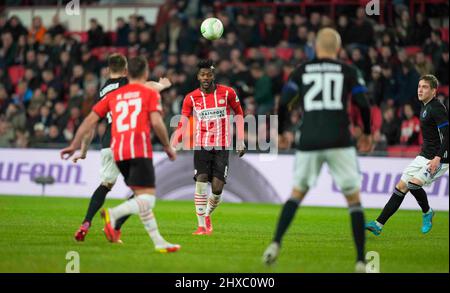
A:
(421, 197)
(287, 214)
(392, 206)
(146, 203)
(97, 200)
(130, 207)
(200, 200)
(358, 227)
(123, 219)
(213, 201)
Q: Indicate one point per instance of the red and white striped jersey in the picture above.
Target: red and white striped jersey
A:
(211, 115)
(130, 108)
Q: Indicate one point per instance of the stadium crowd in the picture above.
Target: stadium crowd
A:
(49, 76)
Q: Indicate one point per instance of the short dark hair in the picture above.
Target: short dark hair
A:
(137, 67)
(206, 63)
(117, 63)
(431, 79)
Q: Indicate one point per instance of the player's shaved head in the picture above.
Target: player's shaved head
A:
(328, 41)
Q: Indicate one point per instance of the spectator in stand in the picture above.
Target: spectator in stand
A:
(375, 86)
(362, 32)
(421, 30)
(423, 65)
(262, 90)
(407, 79)
(45, 116)
(434, 47)
(54, 136)
(390, 129)
(244, 30)
(289, 29)
(404, 28)
(314, 22)
(270, 32)
(7, 50)
(442, 69)
(5, 81)
(359, 62)
(37, 30)
(122, 31)
(6, 135)
(49, 80)
(5, 100)
(15, 27)
(38, 139)
(344, 29)
(60, 115)
(56, 28)
(410, 130)
(96, 36)
(388, 40)
(32, 119)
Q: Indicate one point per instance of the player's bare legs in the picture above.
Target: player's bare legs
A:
(286, 217)
(358, 229)
(200, 200)
(213, 201)
(142, 204)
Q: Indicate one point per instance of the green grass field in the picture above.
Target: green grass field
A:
(36, 233)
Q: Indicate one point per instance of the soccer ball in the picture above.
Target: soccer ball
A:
(211, 28)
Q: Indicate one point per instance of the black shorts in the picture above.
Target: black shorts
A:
(138, 172)
(214, 163)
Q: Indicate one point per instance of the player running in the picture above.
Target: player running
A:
(134, 110)
(323, 86)
(211, 103)
(429, 165)
(117, 66)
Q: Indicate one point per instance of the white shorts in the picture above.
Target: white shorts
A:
(109, 171)
(343, 165)
(419, 169)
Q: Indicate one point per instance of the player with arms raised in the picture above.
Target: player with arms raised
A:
(323, 86)
(135, 109)
(211, 104)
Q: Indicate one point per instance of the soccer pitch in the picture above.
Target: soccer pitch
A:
(37, 232)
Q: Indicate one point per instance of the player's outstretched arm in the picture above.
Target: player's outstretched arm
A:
(159, 86)
(85, 143)
(88, 124)
(161, 132)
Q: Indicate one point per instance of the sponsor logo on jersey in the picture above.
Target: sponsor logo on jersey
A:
(109, 88)
(424, 114)
(214, 113)
(221, 101)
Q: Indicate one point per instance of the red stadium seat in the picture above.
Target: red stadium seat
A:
(443, 89)
(444, 34)
(82, 36)
(16, 73)
(412, 50)
(285, 53)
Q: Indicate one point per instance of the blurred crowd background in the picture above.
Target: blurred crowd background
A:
(50, 77)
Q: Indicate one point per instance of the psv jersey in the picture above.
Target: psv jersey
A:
(130, 107)
(211, 113)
